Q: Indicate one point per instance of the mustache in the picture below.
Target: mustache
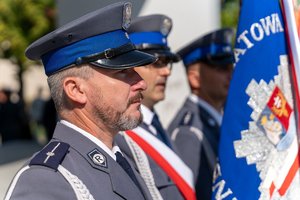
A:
(161, 81)
(136, 98)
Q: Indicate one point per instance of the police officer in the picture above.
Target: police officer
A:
(149, 34)
(196, 127)
(97, 93)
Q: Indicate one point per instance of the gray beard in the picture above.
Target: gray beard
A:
(124, 122)
(116, 120)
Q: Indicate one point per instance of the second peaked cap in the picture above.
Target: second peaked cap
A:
(214, 48)
(149, 34)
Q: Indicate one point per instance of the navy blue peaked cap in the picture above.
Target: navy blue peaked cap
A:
(215, 48)
(99, 38)
(149, 34)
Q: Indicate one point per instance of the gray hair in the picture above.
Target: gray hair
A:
(55, 83)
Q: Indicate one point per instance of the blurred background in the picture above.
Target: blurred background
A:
(27, 114)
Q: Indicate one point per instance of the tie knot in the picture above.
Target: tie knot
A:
(119, 157)
(122, 161)
(118, 154)
(155, 120)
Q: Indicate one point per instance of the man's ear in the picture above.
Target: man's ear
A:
(73, 87)
(193, 75)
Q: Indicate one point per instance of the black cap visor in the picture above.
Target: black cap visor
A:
(220, 60)
(129, 59)
(164, 53)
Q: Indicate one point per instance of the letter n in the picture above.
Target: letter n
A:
(220, 187)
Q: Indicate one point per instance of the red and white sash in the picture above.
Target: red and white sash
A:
(165, 157)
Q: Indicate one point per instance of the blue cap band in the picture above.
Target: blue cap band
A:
(200, 53)
(148, 38)
(60, 58)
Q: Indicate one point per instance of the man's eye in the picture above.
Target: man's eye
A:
(159, 64)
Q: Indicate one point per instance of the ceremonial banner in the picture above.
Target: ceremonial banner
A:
(258, 152)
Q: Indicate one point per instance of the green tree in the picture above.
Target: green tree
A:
(22, 22)
(230, 13)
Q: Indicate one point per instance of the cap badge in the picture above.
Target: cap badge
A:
(166, 26)
(126, 15)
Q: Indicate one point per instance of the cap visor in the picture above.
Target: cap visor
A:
(130, 59)
(220, 60)
(164, 53)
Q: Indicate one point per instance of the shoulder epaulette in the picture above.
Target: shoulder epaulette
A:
(187, 119)
(51, 155)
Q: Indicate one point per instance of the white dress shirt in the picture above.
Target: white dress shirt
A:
(148, 117)
(98, 142)
(211, 110)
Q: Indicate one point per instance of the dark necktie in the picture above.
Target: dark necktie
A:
(127, 168)
(161, 133)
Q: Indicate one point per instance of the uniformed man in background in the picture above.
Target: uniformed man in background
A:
(196, 127)
(97, 93)
(149, 34)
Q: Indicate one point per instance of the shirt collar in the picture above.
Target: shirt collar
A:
(211, 110)
(98, 142)
(147, 114)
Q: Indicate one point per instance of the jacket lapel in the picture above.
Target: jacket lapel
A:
(121, 142)
(211, 129)
(120, 181)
